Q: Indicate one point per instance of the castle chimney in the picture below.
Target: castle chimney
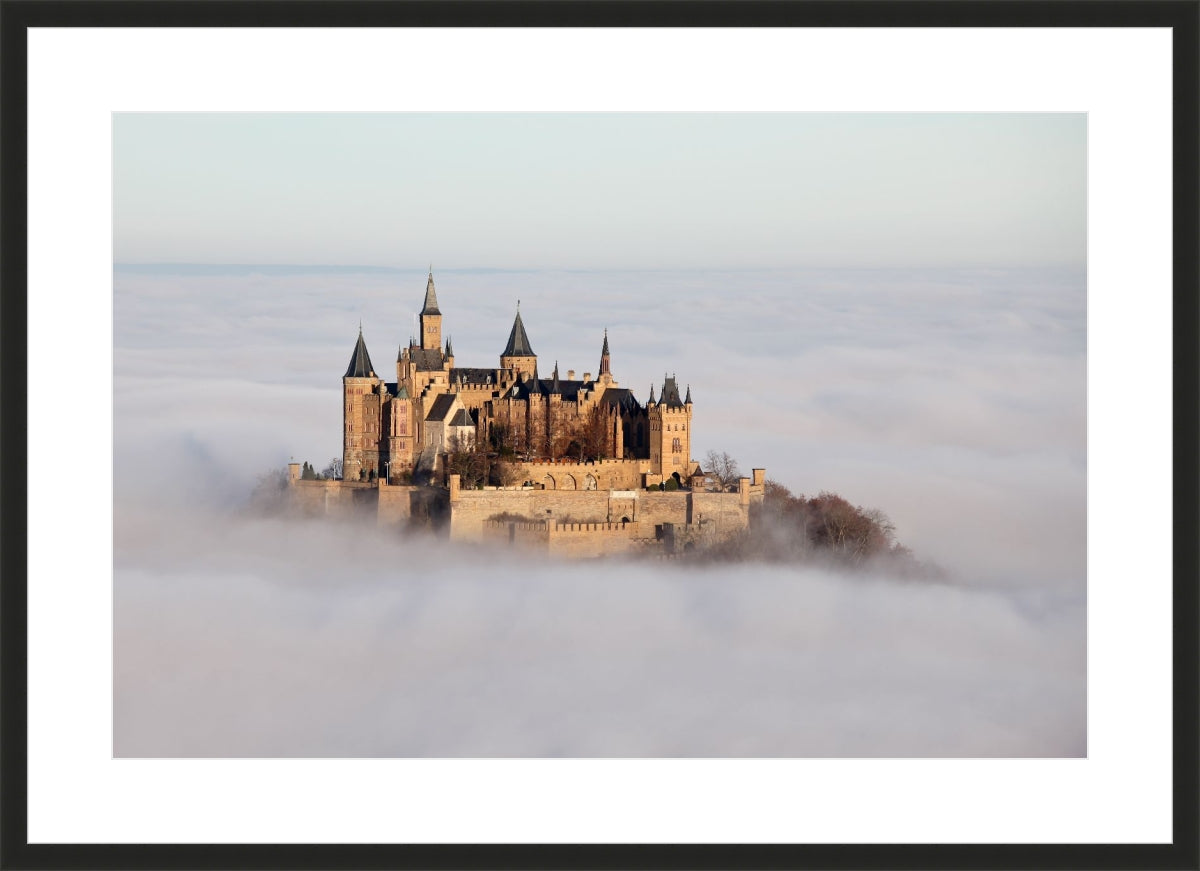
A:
(587, 376)
(570, 374)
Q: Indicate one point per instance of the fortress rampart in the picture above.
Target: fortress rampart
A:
(567, 523)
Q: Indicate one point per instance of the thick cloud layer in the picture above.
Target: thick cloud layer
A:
(952, 400)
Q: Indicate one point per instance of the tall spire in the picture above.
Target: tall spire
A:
(431, 303)
(518, 341)
(449, 348)
(360, 361)
(604, 370)
(556, 388)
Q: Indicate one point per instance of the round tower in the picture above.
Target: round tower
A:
(361, 414)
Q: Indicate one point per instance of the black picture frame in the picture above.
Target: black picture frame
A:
(1183, 16)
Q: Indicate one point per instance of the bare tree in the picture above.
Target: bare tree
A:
(471, 465)
(723, 469)
(504, 472)
(334, 469)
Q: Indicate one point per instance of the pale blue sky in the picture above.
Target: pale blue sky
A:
(600, 190)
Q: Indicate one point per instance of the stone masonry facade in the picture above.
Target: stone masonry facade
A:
(595, 470)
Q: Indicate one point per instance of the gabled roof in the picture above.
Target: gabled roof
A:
(360, 361)
(622, 397)
(518, 343)
(462, 418)
(431, 306)
(474, 376)
(426, 359)
(568, 390)
(441, 407)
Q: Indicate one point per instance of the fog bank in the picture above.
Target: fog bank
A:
(953, 400)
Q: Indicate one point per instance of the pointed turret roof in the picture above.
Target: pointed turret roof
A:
(555, 387)
(518, 341)
(360, 361)
(604, 350)
(687, 399)
(449, 348)
(431, 306)
(670, 392)
(651, 393)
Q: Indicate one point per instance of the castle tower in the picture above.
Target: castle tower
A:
(605, 376)
(401, 434)
(670, 430)
(361, 414)
(431, 318)
(518, 354)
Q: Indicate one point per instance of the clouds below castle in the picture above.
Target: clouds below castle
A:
(952, 400)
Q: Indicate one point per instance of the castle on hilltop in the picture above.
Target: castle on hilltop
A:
(392, 429)
(588, 469)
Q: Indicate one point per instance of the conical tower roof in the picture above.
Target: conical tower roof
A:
(431, 306)
(518, 342)
(360, 361)
(604, 350)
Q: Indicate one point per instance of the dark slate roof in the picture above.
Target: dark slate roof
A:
(463, 418)
(688, 398)
(568, 390)
(473, 376)
(441, 407)
(670, 393)
(621, 397)
(431, 306)
(426, 359)
(360, 361)
(518, 342)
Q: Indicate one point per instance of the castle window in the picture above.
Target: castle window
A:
(675, 446)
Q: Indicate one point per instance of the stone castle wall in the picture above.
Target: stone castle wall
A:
(331, 498)
(569, 523)
(470, 508)
(574, 540)
(570, 475)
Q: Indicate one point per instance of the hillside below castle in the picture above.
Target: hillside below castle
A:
(576, 467)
